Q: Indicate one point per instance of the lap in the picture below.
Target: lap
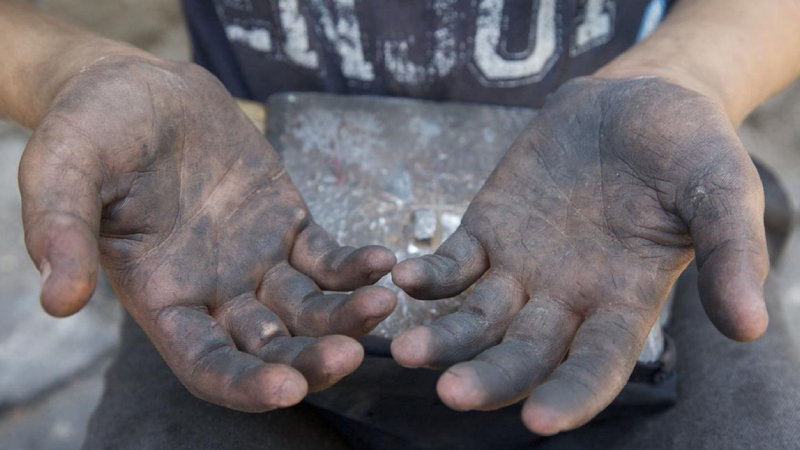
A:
(732, 396)
(145, 407)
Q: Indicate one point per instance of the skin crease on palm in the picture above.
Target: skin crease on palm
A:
(573, 243)
(151, 168)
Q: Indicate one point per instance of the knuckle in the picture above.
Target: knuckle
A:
(299, 217)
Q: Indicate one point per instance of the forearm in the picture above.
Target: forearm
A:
(739, 52)
(39, 54)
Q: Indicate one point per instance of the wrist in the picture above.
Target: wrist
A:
(52, 73)
(736, 52)
(674, 71)
(40, 53)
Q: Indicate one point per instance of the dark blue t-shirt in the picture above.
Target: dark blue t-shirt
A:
(510, 52)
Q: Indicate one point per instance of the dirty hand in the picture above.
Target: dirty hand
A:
(574, 242)
(150, 167)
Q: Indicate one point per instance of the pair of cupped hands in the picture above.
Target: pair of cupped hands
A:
(150, 168)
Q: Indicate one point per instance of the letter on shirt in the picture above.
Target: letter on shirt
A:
(294, 25)
(596, 28)
(544, 37)
(345, 36)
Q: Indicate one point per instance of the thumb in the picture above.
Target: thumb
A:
(59, 180)
(725, 213)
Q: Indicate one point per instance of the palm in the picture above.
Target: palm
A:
(205, 239)
(579, 234)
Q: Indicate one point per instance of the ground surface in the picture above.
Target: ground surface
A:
(51, 370)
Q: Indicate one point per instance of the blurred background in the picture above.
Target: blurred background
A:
(51, 370)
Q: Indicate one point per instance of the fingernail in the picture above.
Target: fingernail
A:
(46, 271)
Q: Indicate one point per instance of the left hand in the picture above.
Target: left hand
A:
(574, 242)
(150, 167)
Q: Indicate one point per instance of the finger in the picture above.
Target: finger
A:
(456, 265)
(306, 311)
(204, 357)
(323, 361)
(725, 214)
(601, 359)
(335, 268)
(61, 206)
(534, 344)
(258, 331)
(478, 324)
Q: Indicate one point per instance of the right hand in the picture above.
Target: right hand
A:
(150, 167)
(574, 242)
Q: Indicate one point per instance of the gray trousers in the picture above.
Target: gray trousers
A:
(731, 396)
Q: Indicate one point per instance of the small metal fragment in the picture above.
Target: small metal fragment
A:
(424, 224)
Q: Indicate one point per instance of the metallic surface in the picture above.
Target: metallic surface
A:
(394, 172)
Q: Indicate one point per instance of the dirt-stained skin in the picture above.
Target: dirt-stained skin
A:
(152, 169)
(574, 242)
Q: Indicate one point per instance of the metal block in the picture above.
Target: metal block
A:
(395, 172)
